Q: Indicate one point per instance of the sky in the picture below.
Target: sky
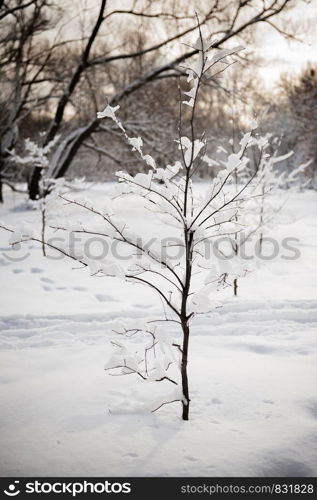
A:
(281, 55)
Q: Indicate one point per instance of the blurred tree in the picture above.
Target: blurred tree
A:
(23, 59)
(295, 116)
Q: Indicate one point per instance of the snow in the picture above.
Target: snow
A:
(186, 144)
(35, 154)
(252, 367)
(108, 112)
(136, 143)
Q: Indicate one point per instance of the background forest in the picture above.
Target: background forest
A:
(62, 62)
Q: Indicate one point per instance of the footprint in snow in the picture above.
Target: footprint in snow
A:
(47, 280)
(216, 401)
(104, 298)
(312, 408)
(130, 455)
(4, 262)
(79, 288)
(47, 288)
(36, 270)
(17, 271)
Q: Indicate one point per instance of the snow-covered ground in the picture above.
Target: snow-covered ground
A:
(253, 368)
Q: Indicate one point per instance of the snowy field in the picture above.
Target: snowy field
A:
(252, 371)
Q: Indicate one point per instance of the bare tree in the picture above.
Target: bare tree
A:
(225, 19)
(21, 69)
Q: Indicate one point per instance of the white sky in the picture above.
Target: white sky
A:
(288, 56)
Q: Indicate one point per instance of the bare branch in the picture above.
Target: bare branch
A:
(166, 403)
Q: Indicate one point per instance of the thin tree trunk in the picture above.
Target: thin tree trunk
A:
(186, 400)
(43, 229)
(235, 287)
(34, 190)
(34, 183)
(261, 242)
(236, 251)
(184, 321)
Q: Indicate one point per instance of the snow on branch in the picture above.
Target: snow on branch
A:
(36, 156)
